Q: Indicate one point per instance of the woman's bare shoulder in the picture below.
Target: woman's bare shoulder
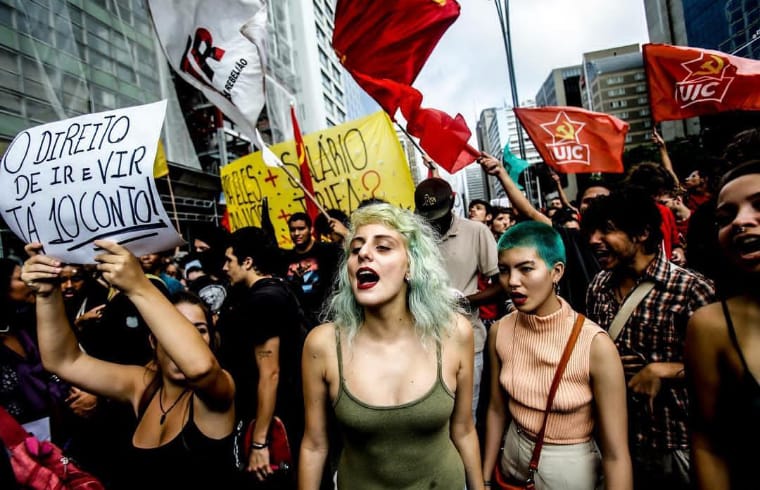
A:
(320, 339)
(461, 331)
(709, 319)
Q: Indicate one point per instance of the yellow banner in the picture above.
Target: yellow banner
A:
(160, 165)
(357, 160)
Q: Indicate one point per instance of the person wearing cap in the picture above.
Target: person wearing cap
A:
(468, 249)
(212, 291)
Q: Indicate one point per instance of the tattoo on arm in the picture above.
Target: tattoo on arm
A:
(264, 353)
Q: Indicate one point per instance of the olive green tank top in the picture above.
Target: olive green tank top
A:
(406, 446)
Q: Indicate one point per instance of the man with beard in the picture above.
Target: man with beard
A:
(623, 230)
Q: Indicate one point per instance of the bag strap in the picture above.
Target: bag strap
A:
(533, 466)
(630, 304)
(11, 432)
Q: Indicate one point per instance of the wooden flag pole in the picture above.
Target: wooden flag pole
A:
(174, 204)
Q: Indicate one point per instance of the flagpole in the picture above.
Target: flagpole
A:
(174, 204)
(416, 145)
(306, 192)
(505, 32)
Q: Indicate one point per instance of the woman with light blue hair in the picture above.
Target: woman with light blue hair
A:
(395, 365)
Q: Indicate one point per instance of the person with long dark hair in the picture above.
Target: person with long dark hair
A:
(723, 344)
(183, 399)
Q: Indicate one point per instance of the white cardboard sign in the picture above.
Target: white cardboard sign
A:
(68, 183)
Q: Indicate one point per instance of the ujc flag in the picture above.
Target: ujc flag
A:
(218, 49)
(687, 82)
(573, 140)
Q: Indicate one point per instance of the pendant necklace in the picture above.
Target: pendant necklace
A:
(164, 413)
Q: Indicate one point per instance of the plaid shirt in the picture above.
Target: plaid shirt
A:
(657, 330)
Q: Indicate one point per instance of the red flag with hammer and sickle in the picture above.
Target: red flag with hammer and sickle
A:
(573, 140)
(384, 45)
(687, 82)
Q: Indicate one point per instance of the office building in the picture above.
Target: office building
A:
(497, 127)
(614, 82)
(729, 26)
(561, 88)
(61, 59)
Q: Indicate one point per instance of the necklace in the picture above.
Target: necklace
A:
(161, 404)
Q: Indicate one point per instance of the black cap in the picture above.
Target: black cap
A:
(433, 198)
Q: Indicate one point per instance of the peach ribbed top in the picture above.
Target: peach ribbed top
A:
(529, 348)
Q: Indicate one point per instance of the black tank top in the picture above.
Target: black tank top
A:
(190, 460)
(739, 409)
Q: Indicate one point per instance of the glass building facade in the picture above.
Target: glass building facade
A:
(729, 26)
(63, 58)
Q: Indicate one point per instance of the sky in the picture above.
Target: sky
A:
(467, 71)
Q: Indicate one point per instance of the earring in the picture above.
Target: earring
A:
(556, 288)
(406, 278)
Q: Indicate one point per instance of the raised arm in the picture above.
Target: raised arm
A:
(175, 333)
(664, 156)
(430, 164)
(561, 191)
(494, 167)
(58, 345)
(608, 384)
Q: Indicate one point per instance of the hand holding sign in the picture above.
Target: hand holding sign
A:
(120, 267)
(40, 272)
(68, 183)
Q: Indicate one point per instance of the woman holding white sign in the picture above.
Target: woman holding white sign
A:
(183, 399)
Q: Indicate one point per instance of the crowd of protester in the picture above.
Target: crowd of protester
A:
(413, 349)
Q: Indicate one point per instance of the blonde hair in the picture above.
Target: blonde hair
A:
(429, 297)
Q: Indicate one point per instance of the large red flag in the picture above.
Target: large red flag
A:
(303, 164)
(573, 140)
(390, 40)
(687, 82)
(384, 45)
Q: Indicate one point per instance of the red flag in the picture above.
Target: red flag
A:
(687, 82)
(384, 45)
(390, 40)
(573, 140)
(225, 221)
(303, 164)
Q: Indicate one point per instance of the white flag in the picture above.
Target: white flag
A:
(270, 159)
(218, 48)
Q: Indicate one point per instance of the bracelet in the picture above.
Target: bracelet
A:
(257, 446)
(487, 483)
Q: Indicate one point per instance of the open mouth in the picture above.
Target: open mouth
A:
(366, 278)
(602, 255)
(747, 244)
(518, 299)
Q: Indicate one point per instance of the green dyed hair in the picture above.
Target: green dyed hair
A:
(542, 237)
(430, 299)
